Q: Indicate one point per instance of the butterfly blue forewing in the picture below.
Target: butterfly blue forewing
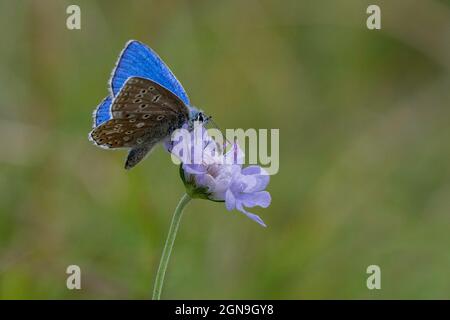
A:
(138, 60)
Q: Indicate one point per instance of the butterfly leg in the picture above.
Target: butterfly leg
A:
(138, 153)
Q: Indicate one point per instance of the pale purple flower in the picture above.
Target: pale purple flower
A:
(221, 177)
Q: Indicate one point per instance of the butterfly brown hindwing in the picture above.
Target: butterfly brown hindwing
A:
(143, 111)
(118, 133)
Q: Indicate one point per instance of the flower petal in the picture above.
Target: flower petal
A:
(251, 170)
(221, 186)
(206, 181)
(194, 168)
(262, 182)
(261, 199)
(261, 176)
(230, 200)
(252, 216)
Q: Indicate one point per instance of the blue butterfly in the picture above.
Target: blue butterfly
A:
(146, 104)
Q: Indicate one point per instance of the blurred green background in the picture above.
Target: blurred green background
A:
(365, 160)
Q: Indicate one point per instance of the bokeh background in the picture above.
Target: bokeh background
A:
(364, 139)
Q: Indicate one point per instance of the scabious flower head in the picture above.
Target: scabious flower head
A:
(209, 173)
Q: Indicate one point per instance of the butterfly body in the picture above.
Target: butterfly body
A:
(146, 104)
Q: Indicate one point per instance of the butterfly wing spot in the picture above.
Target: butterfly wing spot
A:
(151, 88)
(143, 91)
(139, 95)
(139, 140)
(160, 117)
(143, 106)
(129, 132)
(146, 116)
(156, 98)
(126, 138)
(137, 100)
(132, 120)
(140, 125)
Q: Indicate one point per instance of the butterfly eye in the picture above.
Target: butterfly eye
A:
(160, 117)
(137, 100)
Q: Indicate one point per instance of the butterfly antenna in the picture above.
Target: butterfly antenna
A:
(217, 127)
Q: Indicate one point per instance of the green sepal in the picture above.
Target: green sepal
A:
(193, 191)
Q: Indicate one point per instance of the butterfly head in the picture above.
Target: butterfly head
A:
(196, 115)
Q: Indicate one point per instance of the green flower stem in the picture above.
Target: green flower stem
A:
(168, 246)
